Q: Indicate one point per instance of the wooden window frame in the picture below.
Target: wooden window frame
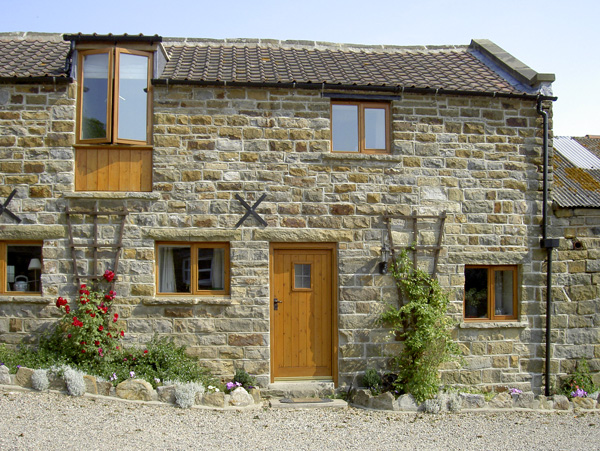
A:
(491, 316)
(194, 291)
(362, 105)
(3, 267)
(112, 109)
(293, 274)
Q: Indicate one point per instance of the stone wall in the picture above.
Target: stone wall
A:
(476, 158)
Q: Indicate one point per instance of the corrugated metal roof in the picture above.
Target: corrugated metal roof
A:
(576, 153)
(575, 187)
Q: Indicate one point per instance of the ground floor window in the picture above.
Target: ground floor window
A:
(20, 267)
(490, 292)
(198, 268)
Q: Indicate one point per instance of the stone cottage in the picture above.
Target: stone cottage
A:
(247, 192)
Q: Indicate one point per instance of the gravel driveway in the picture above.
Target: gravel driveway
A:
(49, 421)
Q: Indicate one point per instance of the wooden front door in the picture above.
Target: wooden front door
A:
(302, 313)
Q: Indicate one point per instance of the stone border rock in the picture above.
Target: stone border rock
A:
(451, 402)
(139, 390)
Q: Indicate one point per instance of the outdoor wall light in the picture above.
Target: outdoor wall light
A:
(383, 264)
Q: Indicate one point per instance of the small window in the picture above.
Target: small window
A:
(302, 277)
(490, 292)
(20, 268)
(361, 127)
(199, 269)
(114, 96)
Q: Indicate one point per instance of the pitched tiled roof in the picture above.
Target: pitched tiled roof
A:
(575, 187)
(449, 68)
(25, 55)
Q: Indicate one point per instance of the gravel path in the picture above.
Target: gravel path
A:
(49, 421)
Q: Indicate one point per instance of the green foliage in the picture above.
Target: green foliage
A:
(422, 324)
(581, 379)
(87, 333)
(372, 380)
(244, 378)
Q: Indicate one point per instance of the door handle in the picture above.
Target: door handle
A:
(276, 303)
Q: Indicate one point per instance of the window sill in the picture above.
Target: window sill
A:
(112, 195)
(24, 299)
(493, 324)
(187, 300)
(362, 156)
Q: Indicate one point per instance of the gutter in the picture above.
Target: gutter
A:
(333, 86)
(548, 244)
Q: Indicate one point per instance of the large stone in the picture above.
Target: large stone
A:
(472, 401)
(384, 401)
(135, 389)
(56, 382)
(501, 401)
(561, 402)
(255, 393)
(214, 399)
(166, 394)
(544, 402)
(240, 398)
(24, 377)
(584, 403)
(4, 375)
(104, 388)
(90, 385)
(363, 398)
(524, 400)
(407, 403)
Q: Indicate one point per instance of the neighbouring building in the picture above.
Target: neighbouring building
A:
(245, 193)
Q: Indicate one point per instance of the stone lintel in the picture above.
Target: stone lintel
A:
(31, 232)
(493, 324)
(187, 300)
(192, 234)
(303, 235)
(372, 158)
(25, 300)
(112, 195)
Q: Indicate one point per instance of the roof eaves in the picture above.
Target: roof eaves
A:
(80, 37)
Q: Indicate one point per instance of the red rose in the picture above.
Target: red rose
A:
(109, 335)
(122, 333)
(100, 328)
(83, 350)
(115, 318)
(93, 315)
(97, 343)
(60, 302)
(69, 336)
(145, 351)
(67, 309)
(109, 275)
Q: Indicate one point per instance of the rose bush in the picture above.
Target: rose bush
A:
(88, 330)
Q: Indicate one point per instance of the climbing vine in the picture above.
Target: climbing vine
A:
(421, 323)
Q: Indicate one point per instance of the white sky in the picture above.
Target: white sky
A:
(556, 36)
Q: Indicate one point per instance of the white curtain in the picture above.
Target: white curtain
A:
(166, 266)
(217, 268)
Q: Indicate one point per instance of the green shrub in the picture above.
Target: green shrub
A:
(372, 381)
(421, 323)
(244, 378)
(581, 379)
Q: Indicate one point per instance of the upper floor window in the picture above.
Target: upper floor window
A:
(360, 127)
(491, 292)
(114, 96)
(198, 268)
(20, 267)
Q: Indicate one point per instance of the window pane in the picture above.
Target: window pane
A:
(476, 295)
(95, 96)
(301, 275)
(23, 268)
(344, 127)
(133, 96)
(503, 292)
(211, 269)
(375, 128)
(174, 269)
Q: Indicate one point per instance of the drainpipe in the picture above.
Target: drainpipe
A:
(547, 244)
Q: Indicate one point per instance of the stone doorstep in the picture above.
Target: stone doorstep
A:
(299, 389)
(276, 403)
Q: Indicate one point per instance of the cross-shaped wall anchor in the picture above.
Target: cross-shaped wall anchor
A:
(250, 210)
(3, 208)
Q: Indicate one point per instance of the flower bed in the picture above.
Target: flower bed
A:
(453, 402)
(184, 395)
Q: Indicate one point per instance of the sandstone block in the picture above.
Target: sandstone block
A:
(5, 375)
(23, 377)
(166, 394)
(363, 398)
(135, 389)
(407, 403)
(501, 401)
(584, 403)
(240, 398)
(384, 401)
(90, 384)
(215, 399)
(472, 401)
(561, 402)
(104, 388)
